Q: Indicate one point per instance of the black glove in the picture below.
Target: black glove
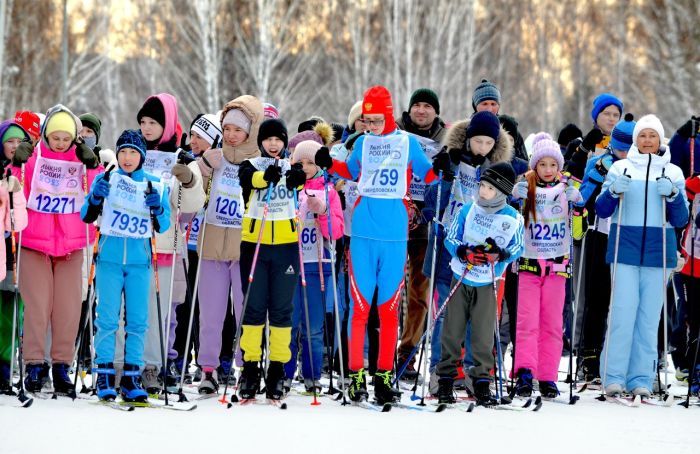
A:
(455, 155)
(592, 139)
(691, 125)
(323, 158)
(273, 174)
(295, 176)
(577, 165)
(441, 163)
(495, 252)
(85, 154)
(183, 143)
(23, 152)
(473, 257)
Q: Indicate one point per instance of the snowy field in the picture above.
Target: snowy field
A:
(63, 426)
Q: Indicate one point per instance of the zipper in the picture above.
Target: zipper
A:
(644, 224)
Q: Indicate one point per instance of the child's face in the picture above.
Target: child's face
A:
(273, 146)
(374, 123)
(87, 132)
(481, 145)
(60, 141)
(621, 154)
(608, 118)
(234, 136)
(547, 169)
(487, 191)
(198, 144)
(310, 168)
(128, 159)
(151, 129)
(10, 146)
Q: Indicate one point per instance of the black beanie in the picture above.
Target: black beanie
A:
(567, 134)
(501, 175)
(272, 127)
(152, 108)
(425, 95)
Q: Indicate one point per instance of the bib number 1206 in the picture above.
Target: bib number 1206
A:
(55, 204)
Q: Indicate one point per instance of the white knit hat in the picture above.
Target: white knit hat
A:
(207, 127)
(648, 122)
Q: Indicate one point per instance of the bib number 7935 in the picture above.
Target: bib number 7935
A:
(131, 224)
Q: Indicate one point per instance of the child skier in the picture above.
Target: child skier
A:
(690, 276)
(632, 194)
(313, 220)
(50, 275)
(268, 182)
(124, 261)
(486, 235)
(543, 268)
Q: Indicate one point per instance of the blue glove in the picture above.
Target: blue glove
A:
(520, 190)
(620, 185)
(600, 169)
(664, 187)
(153, 199)
(100, 191)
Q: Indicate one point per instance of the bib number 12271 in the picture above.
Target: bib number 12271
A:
(55, 204)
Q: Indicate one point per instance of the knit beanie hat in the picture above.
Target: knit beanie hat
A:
(132, 138)
(485, 91)
(337, 131)
(29, 121)
(484, 124)
(305, 150)
(90, 120)
(61, 121)
(648, 122)
(270, 111)
(207, 127)
(621, 135)
(543, 146)
(355, 113)
(308, 125)
(13, 132)
(152, 108)
(321, 133)
(567, 134)
(425, 95)
(377, 100)
(236, 117)
(501, 175)
(272, 127)
(602, 101)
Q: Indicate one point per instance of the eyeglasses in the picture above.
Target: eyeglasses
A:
(372, 122)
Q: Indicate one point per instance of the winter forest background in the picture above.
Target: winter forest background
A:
(548, 57)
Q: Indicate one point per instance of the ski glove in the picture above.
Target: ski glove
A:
(441, 163)
(665, 188)
(211, 159)
(455, 155)
(295, 176)
(183, 174)
(85, 154)
(496, 253)
(620, 185)
(592, 139)
(316, 205)
(473, 257)
(153, 199)
(12, 184)
(23, 152)
(572, 194)
(273, 174)
(577, 165)
(100, 191)
(690, 126)
(323, 158)
(520, 190)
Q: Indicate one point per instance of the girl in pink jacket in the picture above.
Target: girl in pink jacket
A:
(55, 178)
(315, 238)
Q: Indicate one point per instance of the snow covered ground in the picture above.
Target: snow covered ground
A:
(64, 426)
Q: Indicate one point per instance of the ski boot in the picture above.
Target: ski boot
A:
(223, 371)
(312, 385)
(32, 382)
(173, 377)
(682, 375)
(548, 389)
(410, 373)
(45, 377)
(287, 385)
(62, 383)
(482, 392)
(613, 390)
(274, 382)
(130, 385)
(150, 379)
(5, 378)
(249, 381)
(383, 391)
(209, 383)
(358, 386)
(523, 386)
(445, 391)
(104, 384)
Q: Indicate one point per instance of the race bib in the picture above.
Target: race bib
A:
(691, 228)
(430, 148)
(478, 226)
(194, 227)
(57, 187)
(160, 164)
(226, 200)
(549, 236)
(125, 213)
(384, 166)
(465, 189)
(352, 193)
(281, 204)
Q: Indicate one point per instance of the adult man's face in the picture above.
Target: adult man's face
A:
(422, 115)
(488, 105)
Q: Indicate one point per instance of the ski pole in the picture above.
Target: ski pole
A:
(574, 306)
(91, 322)
(21, 396)
(499, 357)
(612, 293)
(329, 347)
(304, 293)
(251, 276)
(665, 290)
(168, 316)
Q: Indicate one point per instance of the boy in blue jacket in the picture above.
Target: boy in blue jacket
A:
(131, 203)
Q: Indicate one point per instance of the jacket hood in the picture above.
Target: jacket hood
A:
(658, 161)
(253, 109)
(171, 120)
(53, 111)
(457, 138)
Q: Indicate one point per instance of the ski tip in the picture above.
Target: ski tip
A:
(538, 403)
(27, 402)
(229, 405)
(440, 408)
(528, 403)
(573, 400)
(386, 407)
(283, 406)
(471, 407)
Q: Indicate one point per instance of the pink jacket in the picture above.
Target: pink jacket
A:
(53, 234)
(20, 212)
(315, 186)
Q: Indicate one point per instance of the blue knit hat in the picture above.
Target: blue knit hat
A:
(621, 136)
(485, 91)
(484, 124)
(602, 101)
(132, 138)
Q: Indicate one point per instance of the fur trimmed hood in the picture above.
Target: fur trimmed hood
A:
(457, 137)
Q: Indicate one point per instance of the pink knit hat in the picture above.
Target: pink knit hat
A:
(544, 146)
(305, 150)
